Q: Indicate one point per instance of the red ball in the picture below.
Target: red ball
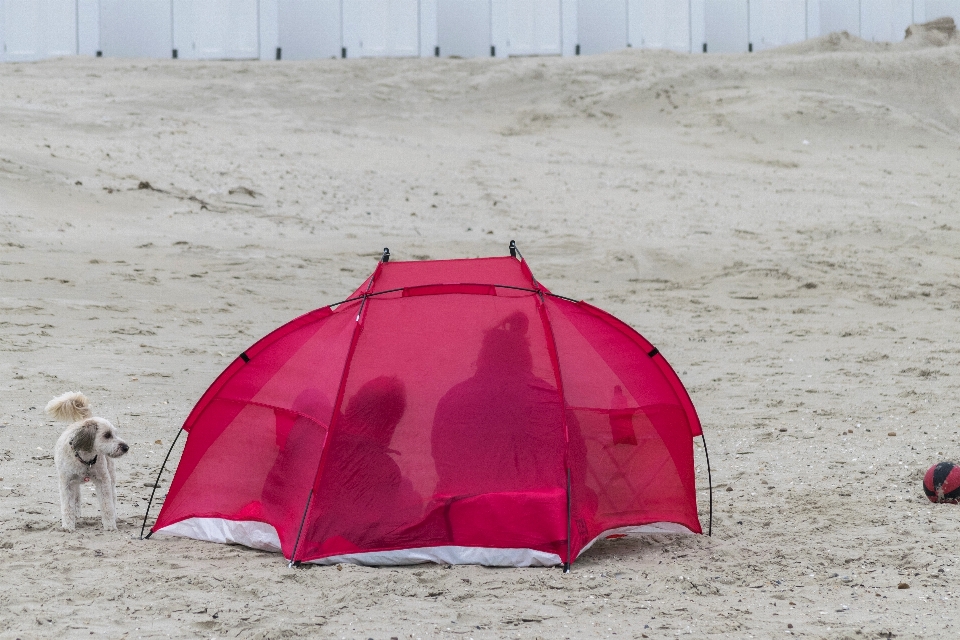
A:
(942, 483)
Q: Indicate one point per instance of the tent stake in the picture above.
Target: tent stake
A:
(709, 482)
(157, 484)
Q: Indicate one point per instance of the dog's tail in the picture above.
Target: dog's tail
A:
(69, 407)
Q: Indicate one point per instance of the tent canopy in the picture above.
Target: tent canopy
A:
(453, 411)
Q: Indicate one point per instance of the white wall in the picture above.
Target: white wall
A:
(774, 23)
(383, 28)
(464, 28)
(37, 29)
(477, 28)
(88, 27)
(933, 9)
(659, 24)
(309, 29)
(813, 18)
(306, 29)
(20, 38)
(840, 15)
(269, 25)
(885, 20)
(428, 28)
(216, 29)
(535, 27)
(601, 25)
(726, 26)
(136, 28)
(500, 27)
(698, 36)
(59, 27)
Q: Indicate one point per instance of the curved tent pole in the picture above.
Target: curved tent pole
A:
(709, 483)
(338, 402)
(157, 484)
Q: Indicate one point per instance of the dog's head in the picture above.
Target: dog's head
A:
(97, 436)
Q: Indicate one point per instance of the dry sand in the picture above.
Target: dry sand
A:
(783, 226)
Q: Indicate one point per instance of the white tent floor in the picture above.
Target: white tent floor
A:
(262, 536)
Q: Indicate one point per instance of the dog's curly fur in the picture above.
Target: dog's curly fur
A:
(85, 452)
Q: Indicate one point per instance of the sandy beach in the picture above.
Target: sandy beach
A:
(782, 226)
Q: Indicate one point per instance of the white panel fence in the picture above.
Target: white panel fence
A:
(305, 29)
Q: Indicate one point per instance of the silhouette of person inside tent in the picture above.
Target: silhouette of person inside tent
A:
(300, 433)
(502, 429)
(363, 496)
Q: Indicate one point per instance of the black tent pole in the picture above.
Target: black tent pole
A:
(709, 482)
(296, 563)
(157, 484)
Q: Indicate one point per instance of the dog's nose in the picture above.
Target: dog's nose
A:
(124, 447)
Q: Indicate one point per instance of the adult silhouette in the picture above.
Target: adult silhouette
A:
(362, 496)
(500, 430)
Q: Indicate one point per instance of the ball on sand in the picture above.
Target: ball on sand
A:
(942, 483)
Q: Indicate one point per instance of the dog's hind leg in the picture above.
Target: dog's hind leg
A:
(108, 501)
(69, 504)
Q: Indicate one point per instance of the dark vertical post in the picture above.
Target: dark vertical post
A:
(577, 50)
(278, 53)
(174, 54)
(436, 52)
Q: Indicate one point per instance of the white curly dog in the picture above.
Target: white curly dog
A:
(85, 453)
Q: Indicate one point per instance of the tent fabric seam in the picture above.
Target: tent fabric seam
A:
(265, 405)
(555, 362)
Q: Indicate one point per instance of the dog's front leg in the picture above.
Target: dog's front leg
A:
(69, 503)
(105, 492)
(113, 484)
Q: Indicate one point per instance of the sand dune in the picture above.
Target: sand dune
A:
(781, 225)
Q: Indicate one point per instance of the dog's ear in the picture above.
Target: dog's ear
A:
(85, 436)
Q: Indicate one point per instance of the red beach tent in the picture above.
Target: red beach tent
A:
(452, 411)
